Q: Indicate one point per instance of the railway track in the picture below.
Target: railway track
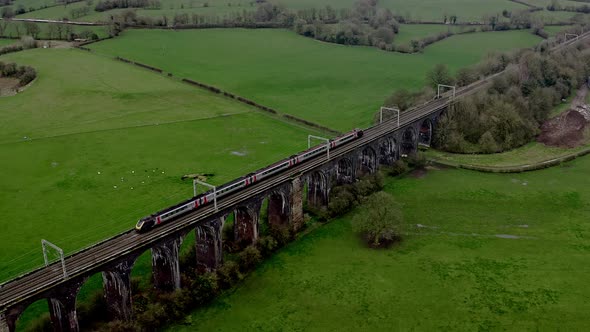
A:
(93, 259)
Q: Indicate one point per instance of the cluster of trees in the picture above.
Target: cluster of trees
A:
(105, 5)
(508, 114)
(24, 74)
(6, 2)
(556, 6)
(81, 11)
(364, 25)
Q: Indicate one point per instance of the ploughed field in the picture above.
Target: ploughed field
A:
(480, 252)
(94, 144)
(337, 86)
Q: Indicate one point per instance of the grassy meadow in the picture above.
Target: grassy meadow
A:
(107, 143)
(480, 252)
(334, 85)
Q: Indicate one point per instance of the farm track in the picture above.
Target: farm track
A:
(93, 259)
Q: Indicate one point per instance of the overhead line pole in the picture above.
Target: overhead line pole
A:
(44, 245)
(310, 137)
(393, 109)
(195, 182)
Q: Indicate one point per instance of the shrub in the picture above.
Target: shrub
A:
(281, 233)
(204, 288)
(27, 76)
(267, 245)
(119, 326)
(417, 160)
(342, 199)
(28, 42)
(249, 258)
(228, 274)
(399, 167)
(153, 317)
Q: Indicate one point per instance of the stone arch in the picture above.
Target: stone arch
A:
(28, 311)
(367, 161)
(408, 144)
(116, 285)
(425, 135)
(278, 209)
(344, 171)
(246, 223)
(94, 284)
(388, 153)
(317, 190)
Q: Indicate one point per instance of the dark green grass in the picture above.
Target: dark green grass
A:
(494, 252)
(334, 85)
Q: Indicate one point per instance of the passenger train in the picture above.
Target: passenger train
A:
(166, 215)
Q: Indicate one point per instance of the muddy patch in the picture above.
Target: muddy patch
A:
(568, 130)
(565, 131)
(8, 86)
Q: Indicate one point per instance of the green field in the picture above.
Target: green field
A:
(556, 29)
(409, 32)
(334, 85)
(481, 252)
(107, 143)
(427, 10)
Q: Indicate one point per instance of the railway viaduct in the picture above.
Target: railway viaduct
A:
(285, 197)
(114, 258)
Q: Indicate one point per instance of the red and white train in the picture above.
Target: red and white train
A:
(160, 217)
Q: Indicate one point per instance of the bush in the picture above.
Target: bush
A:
(380, 221)
(28, 42)
(417, 160)
(228, 274)
(154, 316)
(342, 199)
(27, 76)
(119, 326)
(398, 168)
(267, 245)
(281, 233)
(249, 258)
(204, 288)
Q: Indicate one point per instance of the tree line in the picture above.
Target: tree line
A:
(509, 113)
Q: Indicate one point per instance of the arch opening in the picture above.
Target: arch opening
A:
(408, 144)
(367, 161)
(388, 151)
(278, 210)
(246, 225)
(34, 317)
(425, 135)
(344, 171)
(91, 306)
